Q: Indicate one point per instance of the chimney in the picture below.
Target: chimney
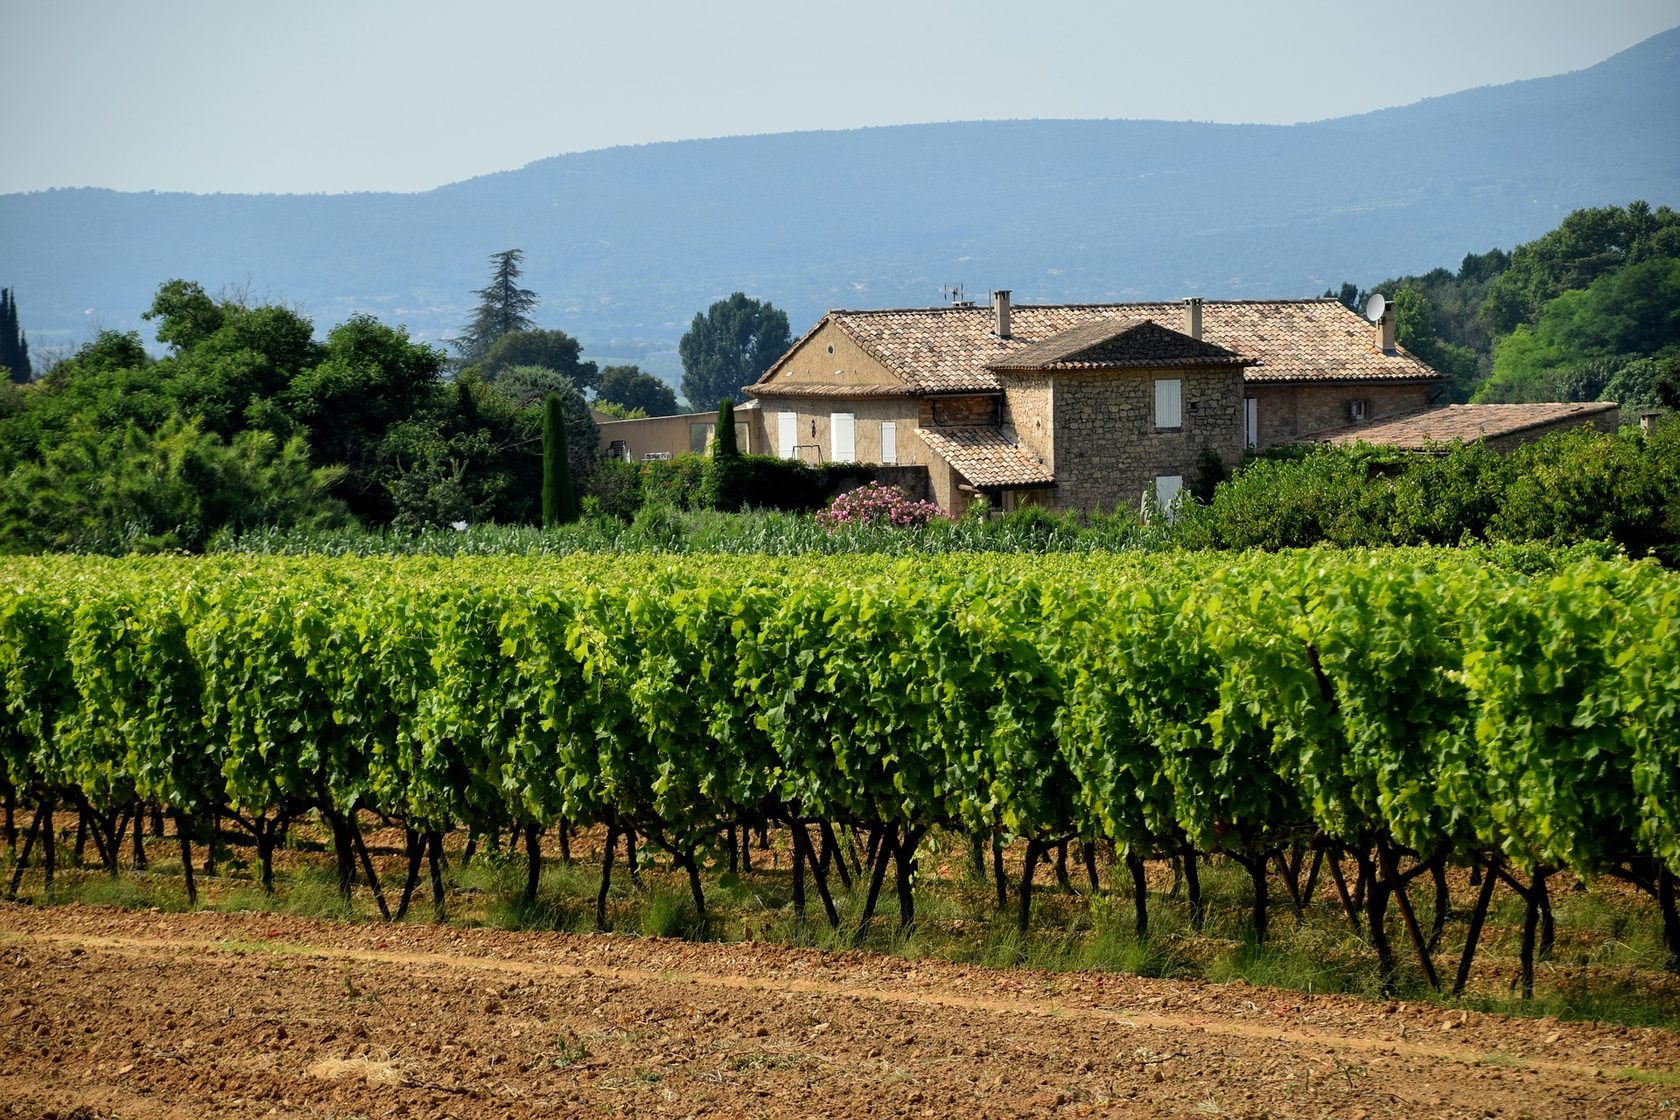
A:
(1000, 304)
(1385, 328)
(1193, 317)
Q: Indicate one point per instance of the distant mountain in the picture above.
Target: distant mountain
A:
(624, 245)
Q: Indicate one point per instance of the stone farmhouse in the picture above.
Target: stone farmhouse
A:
(1071, 406)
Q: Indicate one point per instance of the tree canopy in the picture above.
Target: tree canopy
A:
(1573, 315)
(633, 389)
(729, 346)
(249, 420)
(504, 307)
(551, 349)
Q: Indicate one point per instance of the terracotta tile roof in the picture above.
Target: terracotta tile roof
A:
(786, 388)
(986, 456)
(1464, 423)
(1118, 343)
(949, 349)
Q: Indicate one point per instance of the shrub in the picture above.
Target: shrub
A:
(878, 505)
(678, 483)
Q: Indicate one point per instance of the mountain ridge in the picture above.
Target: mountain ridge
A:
(626, 243)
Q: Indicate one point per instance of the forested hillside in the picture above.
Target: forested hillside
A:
(1590, 311)
(627, 243)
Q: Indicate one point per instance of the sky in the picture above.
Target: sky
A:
(405, 95)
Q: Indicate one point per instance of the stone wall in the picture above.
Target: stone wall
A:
(1107, 449)
(945, 412)
(1607, 421)
(1029, 408)
(1289, 411)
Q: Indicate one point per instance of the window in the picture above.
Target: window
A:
(840, 434)
(1251, 422)
(1167, 487)
(1169, 400)
(787, 434)
(889, 441)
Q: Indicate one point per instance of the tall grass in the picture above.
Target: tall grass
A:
(663, 529)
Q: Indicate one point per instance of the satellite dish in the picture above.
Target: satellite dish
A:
(1375, 306)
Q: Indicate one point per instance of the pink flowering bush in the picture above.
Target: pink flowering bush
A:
(877, 505)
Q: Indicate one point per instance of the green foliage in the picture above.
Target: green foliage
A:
(559, 500)
(1415, 329)
(630, 387)
(553, 350)
(504, 308)
(1234, 702)
(135, 490)
(1568, 488)
(1584, 337)
(724, 443)
(14, 344)
(1587, 245)
(676, 482)
(729, 346)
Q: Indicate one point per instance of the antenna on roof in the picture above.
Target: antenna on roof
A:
(953, 294)
(1375, 306)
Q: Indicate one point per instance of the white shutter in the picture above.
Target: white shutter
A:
(889, 441)
(841, 436)
(1167, 487)
(1169, 396)
(786, 433)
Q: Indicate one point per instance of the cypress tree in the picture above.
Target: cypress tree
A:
(559, 502)
(14, 347)
(8, 334)
(724, 445)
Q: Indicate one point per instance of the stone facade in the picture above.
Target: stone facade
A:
(1607, 422)
(1105, 448)
(1030, 410)
(943, 412)
(1288, 411)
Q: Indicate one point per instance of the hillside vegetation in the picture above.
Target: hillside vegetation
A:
(1590, 311)
(626, 243)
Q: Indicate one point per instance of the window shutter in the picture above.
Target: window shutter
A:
(1169, 396)
(786, 436)
(841, 435)
(1167, 487)
(889, 441)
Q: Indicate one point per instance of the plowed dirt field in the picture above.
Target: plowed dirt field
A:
(107, 1013)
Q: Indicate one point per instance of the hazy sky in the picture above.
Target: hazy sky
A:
(343, 95)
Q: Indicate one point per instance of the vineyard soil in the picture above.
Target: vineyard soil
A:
(113, 1013)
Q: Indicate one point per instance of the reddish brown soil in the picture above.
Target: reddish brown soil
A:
(108, 1013)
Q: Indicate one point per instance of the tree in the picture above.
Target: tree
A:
(559, 501)
(1585, 335)
(1588, 244)
(14, 345)
(504, 307)
(724, 444)
(551, 349)
(730, 346)
(630, 387)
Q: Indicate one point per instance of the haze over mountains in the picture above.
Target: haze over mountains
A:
(624, 245)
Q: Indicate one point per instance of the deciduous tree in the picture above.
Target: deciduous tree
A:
(630, 387)
(730, 346)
